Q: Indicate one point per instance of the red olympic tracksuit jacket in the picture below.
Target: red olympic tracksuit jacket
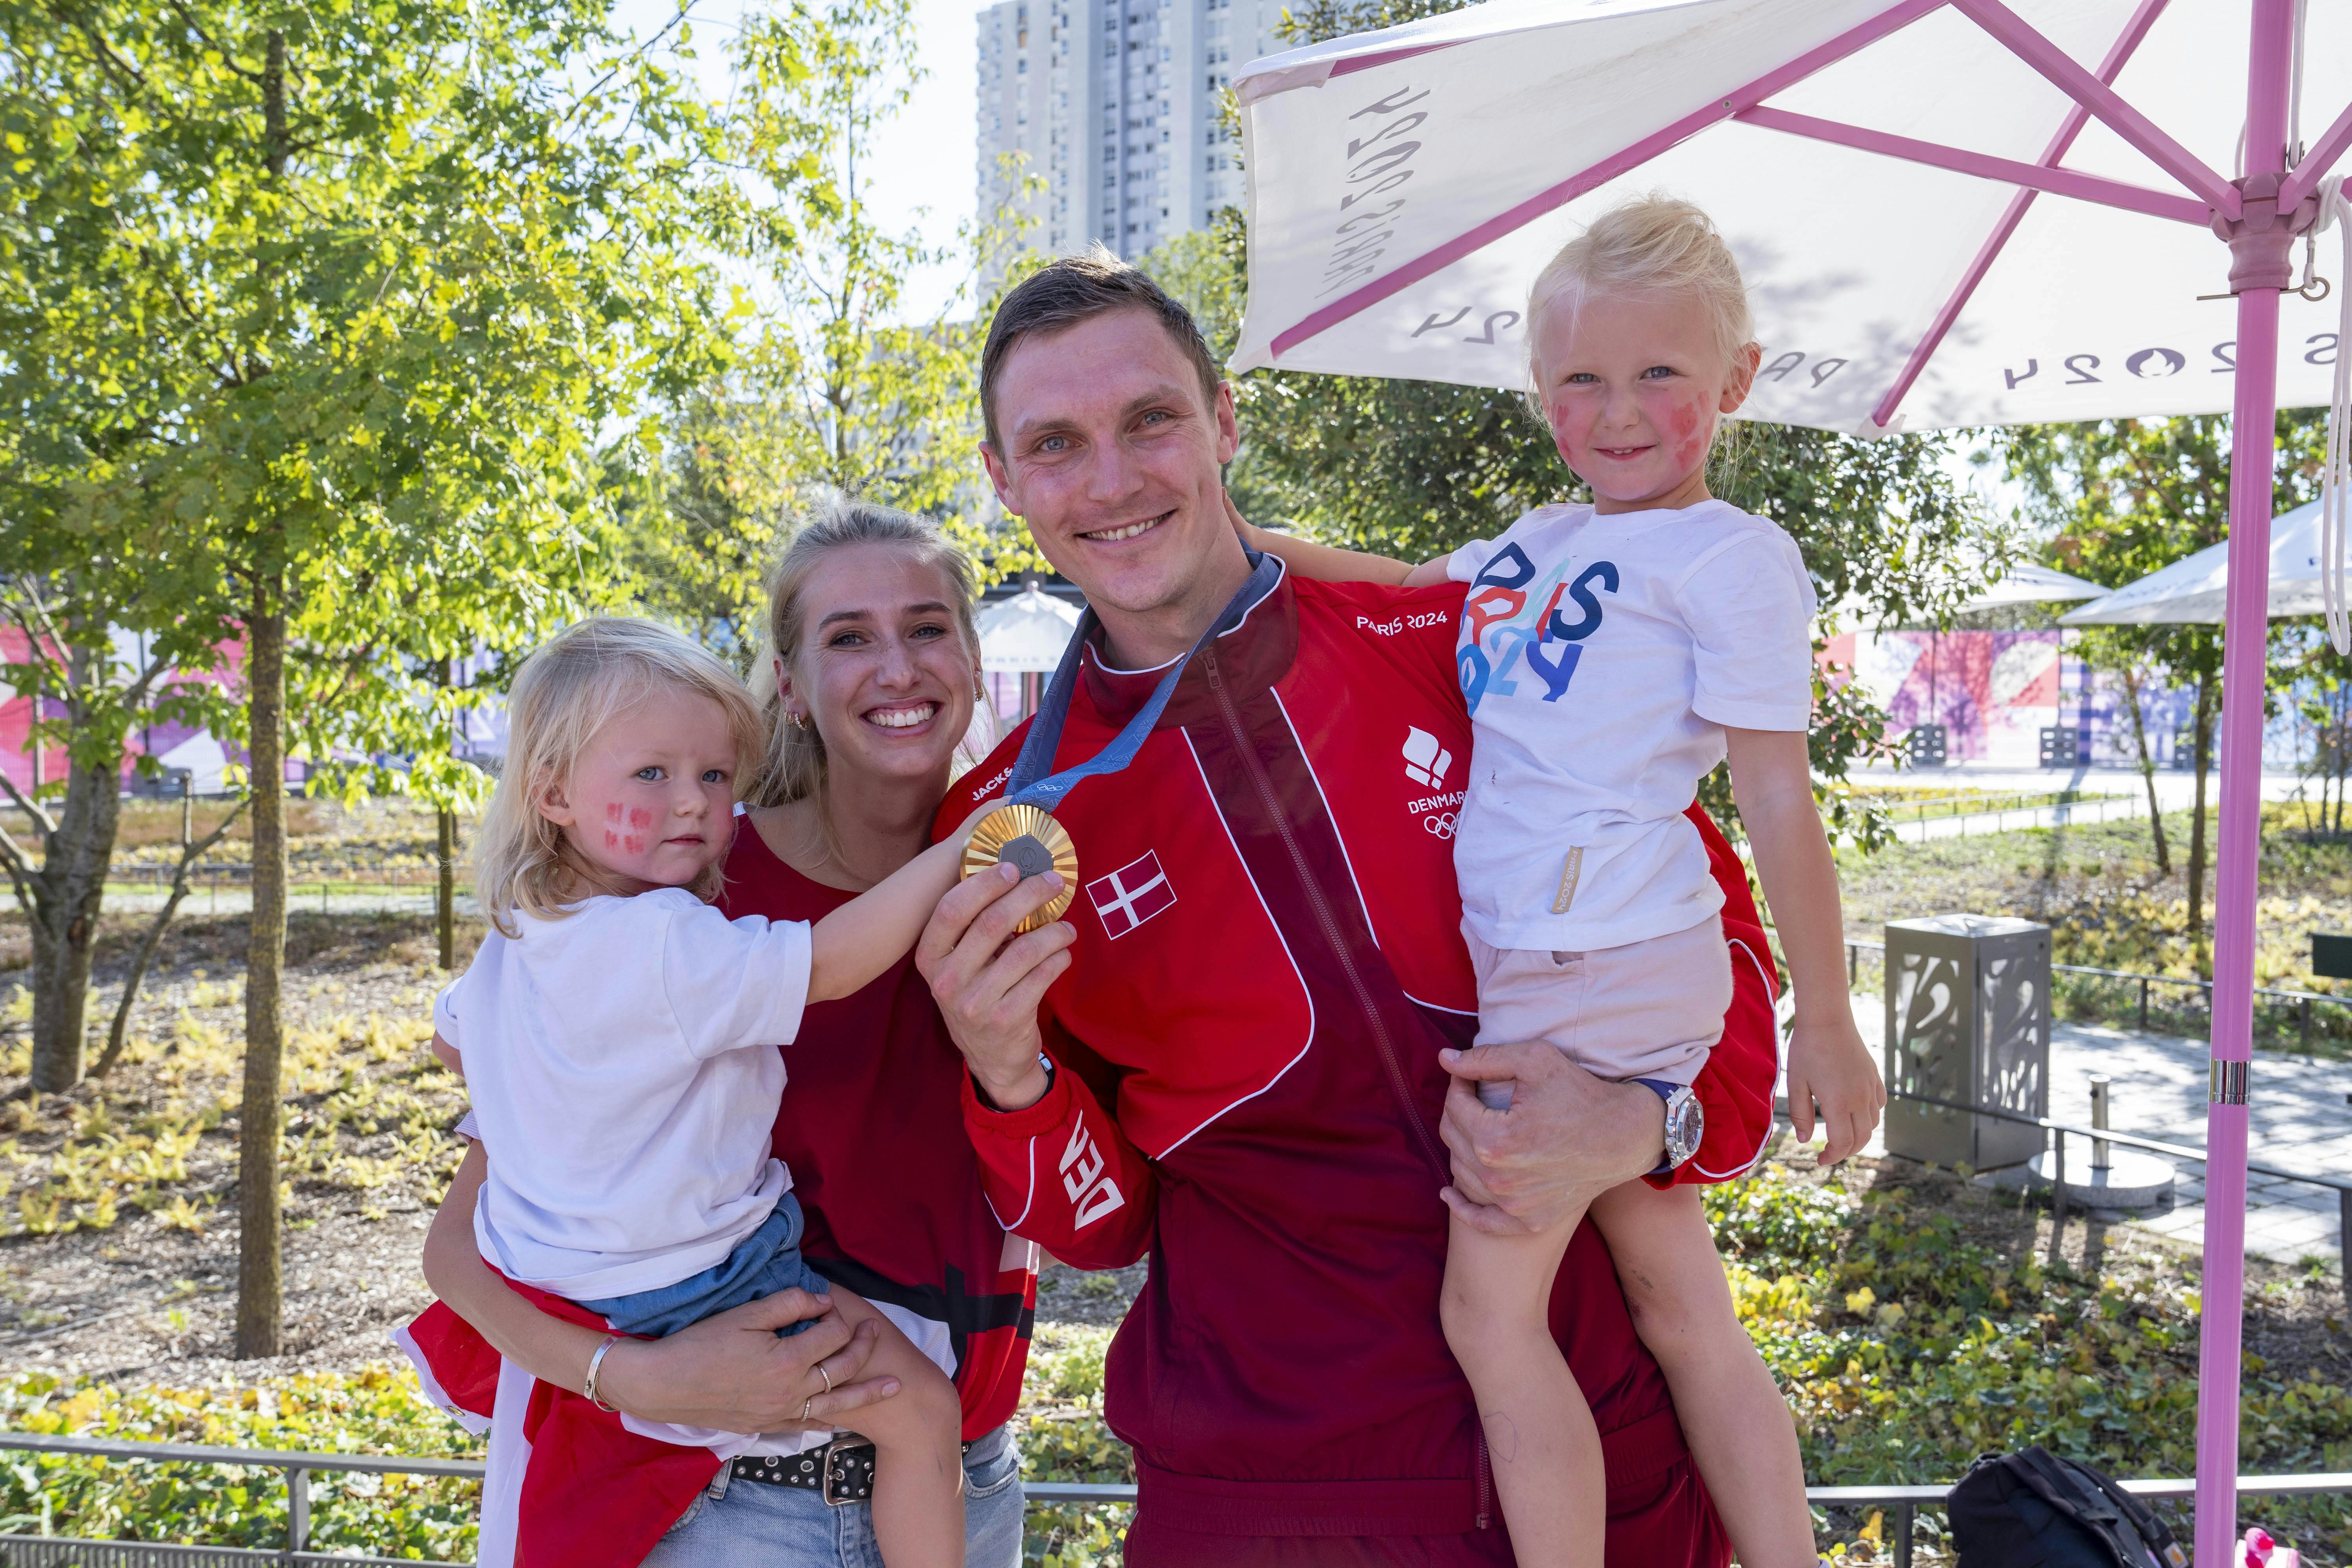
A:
(1268, 960)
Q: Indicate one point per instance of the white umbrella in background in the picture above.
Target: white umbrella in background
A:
(2031, 585)
(1025, 636)
(2195, 588)
(1878, 167)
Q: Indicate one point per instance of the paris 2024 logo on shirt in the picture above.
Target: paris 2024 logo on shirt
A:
(1511, 619)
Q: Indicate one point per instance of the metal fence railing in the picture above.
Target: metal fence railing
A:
(322, 880)
(2310, 1013)
(1903, 1503)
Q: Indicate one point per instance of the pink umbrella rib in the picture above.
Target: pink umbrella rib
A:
(2126, 43)
(1892, 19)
(2034, 176)
(2012, 32)
(2318, 160)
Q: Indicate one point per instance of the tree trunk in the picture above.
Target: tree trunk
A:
(65, 919)
(444, 902)
(444, 889)
(262, 1118)
(2148, 772)
(2196, 822)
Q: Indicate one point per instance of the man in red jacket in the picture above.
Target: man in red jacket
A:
(1236, 1053)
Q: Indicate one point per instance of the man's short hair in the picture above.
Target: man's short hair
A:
(1074, 289)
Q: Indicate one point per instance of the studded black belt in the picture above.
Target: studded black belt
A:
(843, 1470)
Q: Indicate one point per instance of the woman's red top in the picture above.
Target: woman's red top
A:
(871, 1129)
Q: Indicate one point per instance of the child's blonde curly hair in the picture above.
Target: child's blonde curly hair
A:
(566, 691)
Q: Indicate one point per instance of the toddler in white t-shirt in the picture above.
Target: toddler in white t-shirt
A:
(1612, 654)
(619, 1036)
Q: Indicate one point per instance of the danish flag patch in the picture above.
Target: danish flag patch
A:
(1132, 895)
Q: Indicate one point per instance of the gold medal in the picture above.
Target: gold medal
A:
(1034, 842)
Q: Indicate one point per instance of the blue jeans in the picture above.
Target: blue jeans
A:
(749, 1524)
(764, 1262)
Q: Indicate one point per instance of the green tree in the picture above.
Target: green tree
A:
(357, 287)
(104, 687)
(863, 402)
(2122, 497)
(706, 516)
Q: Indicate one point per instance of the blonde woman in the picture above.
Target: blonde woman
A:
(866, 687)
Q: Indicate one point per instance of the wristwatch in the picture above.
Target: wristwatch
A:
(1685, 1120)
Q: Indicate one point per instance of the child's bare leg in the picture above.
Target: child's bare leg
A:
(918, 1449)
(1732, 1414)
(1495, 1307)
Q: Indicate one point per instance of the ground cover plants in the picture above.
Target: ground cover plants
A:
(1914, 1319)
(2096, 886)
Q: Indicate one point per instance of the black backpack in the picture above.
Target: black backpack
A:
(2033, 1510)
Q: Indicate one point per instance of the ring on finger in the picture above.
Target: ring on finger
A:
(806, 1405)
(826, 1375)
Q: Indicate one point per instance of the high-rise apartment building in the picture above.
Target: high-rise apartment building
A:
(1113, 104)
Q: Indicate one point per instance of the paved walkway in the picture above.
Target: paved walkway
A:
(2298, 1108)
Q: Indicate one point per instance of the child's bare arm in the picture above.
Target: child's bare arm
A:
(1328, 564)
(446, 1054)
(853, 945)
(1772, 778)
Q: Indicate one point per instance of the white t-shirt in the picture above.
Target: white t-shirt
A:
(1601, 658)
(623, 1066)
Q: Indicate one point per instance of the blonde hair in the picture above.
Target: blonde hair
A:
(795, 762)
(565, 693)
(1652, 245)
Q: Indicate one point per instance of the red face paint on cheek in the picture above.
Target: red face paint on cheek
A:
(612, 839)
(640, 818)
(613, 811)
(633, 845)
(1690, 436)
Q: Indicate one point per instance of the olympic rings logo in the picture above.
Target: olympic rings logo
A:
(1440, 825)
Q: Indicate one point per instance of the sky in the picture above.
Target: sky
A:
(923, 169)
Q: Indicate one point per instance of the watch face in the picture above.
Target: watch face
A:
(1685, 1126)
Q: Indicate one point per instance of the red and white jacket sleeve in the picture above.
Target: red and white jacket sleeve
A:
(1060, 1172)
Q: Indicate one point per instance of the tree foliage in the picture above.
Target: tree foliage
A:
(2120, 498)
(320, 309)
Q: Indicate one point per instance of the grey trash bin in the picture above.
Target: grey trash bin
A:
(1968, 1020)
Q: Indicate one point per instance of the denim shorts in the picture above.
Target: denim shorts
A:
(764, 1262)
(749, 1524)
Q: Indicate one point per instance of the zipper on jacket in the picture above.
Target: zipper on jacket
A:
(1257, 767)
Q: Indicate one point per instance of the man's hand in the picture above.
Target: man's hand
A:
(1568, 1137)
(732, 1373)
(1830, 1067)
(988, 982)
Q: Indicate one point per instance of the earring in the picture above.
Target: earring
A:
(798, 721)
(980, 689)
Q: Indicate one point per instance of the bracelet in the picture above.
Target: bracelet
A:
(595, 1365)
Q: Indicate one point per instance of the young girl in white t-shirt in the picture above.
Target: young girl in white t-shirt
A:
(1612, 655)
(619, 1036)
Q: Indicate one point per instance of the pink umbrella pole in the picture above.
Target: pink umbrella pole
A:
(2259, 242)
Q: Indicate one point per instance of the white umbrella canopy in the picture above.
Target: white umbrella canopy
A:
(1025, 635)
(2032, 584)
(1406, 187)
(2194, 588)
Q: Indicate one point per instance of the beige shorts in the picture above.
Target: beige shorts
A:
(1648, 1009)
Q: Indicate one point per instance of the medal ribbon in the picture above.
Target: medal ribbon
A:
(1027, 787)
